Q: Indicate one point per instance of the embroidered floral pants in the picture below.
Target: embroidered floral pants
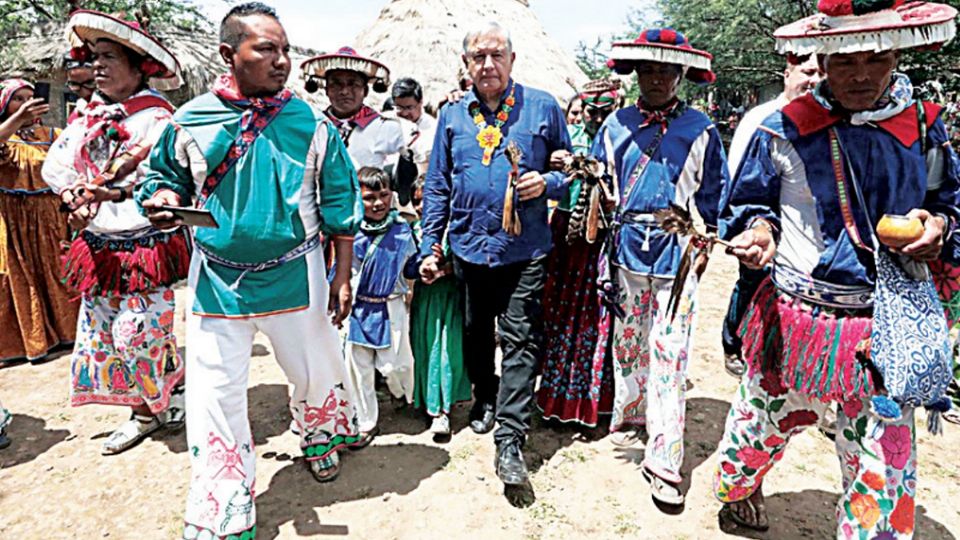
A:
(877, 459)
(5, 418)
(126, 351)
(220, 503)
(650, 365)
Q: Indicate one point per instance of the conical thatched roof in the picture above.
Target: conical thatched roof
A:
(39, 56)
(423, 39)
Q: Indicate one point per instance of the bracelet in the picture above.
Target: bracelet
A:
(123, 195)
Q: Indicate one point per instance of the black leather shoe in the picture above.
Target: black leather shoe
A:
(509, 463)
(482, 418)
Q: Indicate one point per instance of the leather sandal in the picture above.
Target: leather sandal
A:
(130, 433)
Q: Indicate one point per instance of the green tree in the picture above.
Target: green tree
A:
(18, 17)
(739, 34)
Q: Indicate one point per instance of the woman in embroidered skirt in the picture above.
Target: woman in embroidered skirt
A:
(36, 311)
(577, 375)
(126, 352)
(436, 337)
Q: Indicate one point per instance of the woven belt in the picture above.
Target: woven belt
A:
(289, 256)
(374, 299)
(820, 292)
(25, 192)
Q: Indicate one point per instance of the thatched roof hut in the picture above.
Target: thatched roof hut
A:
(39, 58)
(423, 39)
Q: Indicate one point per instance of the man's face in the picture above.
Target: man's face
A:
(408, 108)
(261, 64)
(489, 62)
(858, 80)
(658, 82)
(346, 90)
(114, 75)
(376, 203)
(798, 79)
(80, 81)
(593, 117)
(575, 111)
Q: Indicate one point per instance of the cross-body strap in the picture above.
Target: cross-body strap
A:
(840, 170)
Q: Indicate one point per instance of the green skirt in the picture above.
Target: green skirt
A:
(436, 336)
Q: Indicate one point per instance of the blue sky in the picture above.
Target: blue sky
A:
(329, 24)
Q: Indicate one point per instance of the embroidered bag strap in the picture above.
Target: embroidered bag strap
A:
(253, 121)
(922, 127)
(843, 194)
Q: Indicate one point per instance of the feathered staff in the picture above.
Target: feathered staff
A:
(586, 217)
(511, 217)
(677, 220)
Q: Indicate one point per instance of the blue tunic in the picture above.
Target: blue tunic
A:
(382, 260)
(886, 160)
(688, 166)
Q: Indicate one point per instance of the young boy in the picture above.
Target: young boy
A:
(384, 257)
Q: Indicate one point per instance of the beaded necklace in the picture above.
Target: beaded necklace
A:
(489, 137)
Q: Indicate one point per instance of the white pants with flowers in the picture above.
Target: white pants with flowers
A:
(878, 459)
(220, 503)
(650, 355)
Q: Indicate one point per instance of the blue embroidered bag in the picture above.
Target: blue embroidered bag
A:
(909, 342)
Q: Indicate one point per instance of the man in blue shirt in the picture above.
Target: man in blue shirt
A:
(503, 272)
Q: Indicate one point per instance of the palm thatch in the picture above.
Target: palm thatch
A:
(39, 57)
(423, 39)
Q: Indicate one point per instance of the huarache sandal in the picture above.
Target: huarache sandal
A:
(662, 490)
(757, 513)
(366, 437)
(130, 433)
(325, 469)
(176, 413)
(627, 437)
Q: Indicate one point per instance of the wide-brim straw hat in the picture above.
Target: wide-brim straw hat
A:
(86, 27)
(848, 26)
(664, 45)
(346, 59)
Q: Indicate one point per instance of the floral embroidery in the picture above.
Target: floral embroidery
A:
(896, 442)
(902, 518)
(865, 509)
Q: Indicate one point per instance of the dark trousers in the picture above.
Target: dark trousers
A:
(743, 292)
(511, 295)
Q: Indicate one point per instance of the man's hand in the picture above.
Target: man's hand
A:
(341, 297)
(30, 112)
(755, 247)
(82, 216)
(558, 159)
(531, 185)
(430, 269)
(928, 247)
(162, 219)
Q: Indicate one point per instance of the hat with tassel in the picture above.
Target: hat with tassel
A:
(850, 26)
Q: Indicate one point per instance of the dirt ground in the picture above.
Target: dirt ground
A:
(54, 483)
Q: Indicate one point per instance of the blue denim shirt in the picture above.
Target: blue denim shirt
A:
(462, 193)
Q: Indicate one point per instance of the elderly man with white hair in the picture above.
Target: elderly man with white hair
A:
(487, 188)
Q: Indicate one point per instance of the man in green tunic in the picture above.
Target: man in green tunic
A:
(274, 176)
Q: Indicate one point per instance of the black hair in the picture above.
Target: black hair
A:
(373, 178)
(231, 31)
(407, 88)
(575, 98)
(388, 105)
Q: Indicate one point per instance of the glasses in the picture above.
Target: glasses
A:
(89, 84)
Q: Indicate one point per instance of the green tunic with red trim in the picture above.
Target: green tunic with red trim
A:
(278, 183)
